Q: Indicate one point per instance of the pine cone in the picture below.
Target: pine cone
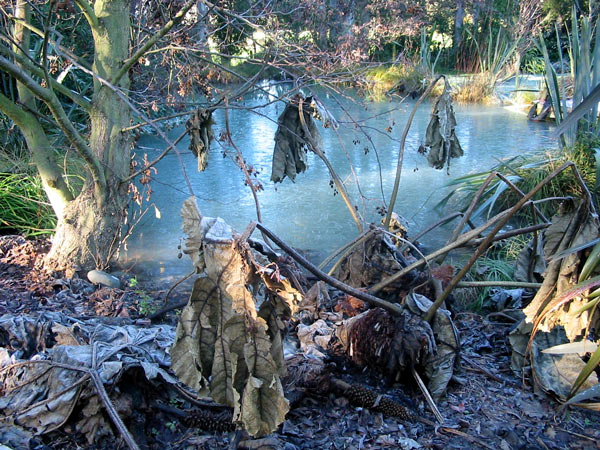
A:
(208, 421)
(361, 396)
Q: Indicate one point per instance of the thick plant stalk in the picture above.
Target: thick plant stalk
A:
(512, 233)
(470, 209)
(371, 299)
(388, 216)
(510, 284)
(336, 179)
(490, 237)
(534, 208)
(462, 240)
(439, 223)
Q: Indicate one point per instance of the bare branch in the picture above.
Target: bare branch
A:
(153, 40)
(34, 70)
(50, 99)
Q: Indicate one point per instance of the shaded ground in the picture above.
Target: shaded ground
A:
(486, 405)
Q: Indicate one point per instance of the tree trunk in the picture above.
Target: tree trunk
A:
(89, 232)
(86, 236)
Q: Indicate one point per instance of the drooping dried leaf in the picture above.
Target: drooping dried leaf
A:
(558, 301)
(221, 337)
(441, 143)
(196, 335)
(439, 364)
(263, 403)
(199, 128)
(289, 154)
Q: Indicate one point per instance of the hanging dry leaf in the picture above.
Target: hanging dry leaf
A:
(441, 142)
(199, 128)
(289, 155)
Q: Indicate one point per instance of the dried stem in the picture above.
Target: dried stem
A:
(372, 300)
(490, 237)
(460, 241)
(336, 179)
(388, 217)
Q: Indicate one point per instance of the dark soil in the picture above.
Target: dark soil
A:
(486, 405)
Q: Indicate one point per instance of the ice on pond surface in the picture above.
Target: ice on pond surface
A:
(306, 214)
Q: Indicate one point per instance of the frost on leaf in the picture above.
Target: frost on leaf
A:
(226, 347)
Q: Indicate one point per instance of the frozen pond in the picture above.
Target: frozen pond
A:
(306, 214)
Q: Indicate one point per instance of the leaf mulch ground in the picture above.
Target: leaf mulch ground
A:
(486, 406)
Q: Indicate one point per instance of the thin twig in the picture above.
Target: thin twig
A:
(349, 245)
(487, 372)
(347, 252)
(388, 217)
(166, 309)
(166, 299)
(428, 397)
(158, 119)
(242, 165)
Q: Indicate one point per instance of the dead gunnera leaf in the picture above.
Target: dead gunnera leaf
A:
(289, 154)
(223, 349)
(441, 142)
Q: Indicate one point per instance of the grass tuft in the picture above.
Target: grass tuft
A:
(24, 208)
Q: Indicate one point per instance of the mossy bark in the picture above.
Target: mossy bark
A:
(41, 151)
(90, 230)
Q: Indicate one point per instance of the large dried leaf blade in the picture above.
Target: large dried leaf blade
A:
(556, 373)
(224, 366)
(441, 143)
(263, 404)
(193, 350)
